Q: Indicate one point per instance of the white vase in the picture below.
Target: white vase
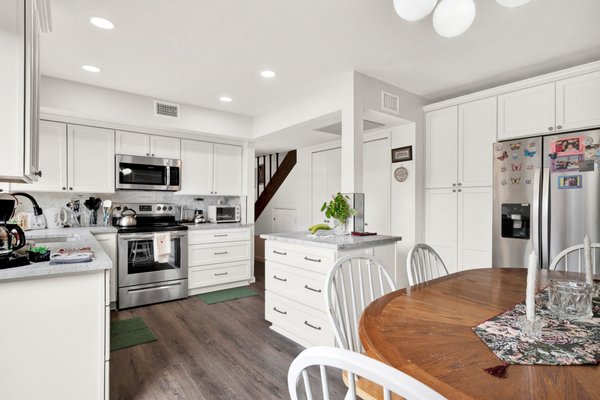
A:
(340, 229)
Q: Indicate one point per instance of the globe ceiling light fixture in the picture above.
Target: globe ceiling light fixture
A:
(512, 3)
(452, 18)
(414, 10)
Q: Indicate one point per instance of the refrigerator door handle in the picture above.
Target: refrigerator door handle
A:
(535, 213)
(545, 213)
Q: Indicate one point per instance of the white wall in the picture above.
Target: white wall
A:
(72, 99)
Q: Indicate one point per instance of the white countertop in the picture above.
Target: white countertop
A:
(101, 260)
(343, 242)
(208, 225)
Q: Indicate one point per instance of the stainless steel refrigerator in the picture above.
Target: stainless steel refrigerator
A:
(546, 196)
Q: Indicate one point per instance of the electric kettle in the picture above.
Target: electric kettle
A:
(12, 238)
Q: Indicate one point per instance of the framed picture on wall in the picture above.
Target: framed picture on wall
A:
(402, 154)
(261, 174)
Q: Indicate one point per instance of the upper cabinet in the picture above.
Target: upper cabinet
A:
(578, 102)
(441, 146)
(19, 98)
(526, 112)
(141, 144)
(211, 168)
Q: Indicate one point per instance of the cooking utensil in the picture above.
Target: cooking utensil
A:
(128, 220)
(107, 208)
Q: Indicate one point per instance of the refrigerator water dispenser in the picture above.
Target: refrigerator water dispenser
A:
(515, 220)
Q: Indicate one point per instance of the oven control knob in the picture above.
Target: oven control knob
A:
(158, 208)
(170, 208)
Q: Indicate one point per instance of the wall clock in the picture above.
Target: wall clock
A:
(401, 174)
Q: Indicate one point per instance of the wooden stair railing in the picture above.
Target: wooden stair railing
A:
(277, 179)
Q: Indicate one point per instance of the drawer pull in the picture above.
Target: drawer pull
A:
(221, 253)
(312, 259)
(222, 235)
(221, 274)
(281, 253)
(312, 326)
(280, 312)
(279, 279)
(314, 290)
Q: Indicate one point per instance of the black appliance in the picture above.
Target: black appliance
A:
(12, 237)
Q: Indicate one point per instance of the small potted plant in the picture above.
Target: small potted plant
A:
(339, 210)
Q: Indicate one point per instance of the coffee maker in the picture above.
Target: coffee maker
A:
(12, 237)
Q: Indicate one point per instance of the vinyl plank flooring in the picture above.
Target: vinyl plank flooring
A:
(222, 351)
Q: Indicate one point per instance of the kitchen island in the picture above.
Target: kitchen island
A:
(55, 331)
(296, 266)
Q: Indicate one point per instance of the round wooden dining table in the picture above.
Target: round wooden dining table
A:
(426, 332)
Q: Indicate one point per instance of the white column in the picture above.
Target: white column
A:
(352, 136)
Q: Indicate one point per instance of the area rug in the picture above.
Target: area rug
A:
(226, 295)
(129, 332)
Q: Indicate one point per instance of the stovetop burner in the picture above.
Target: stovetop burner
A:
(150, 218)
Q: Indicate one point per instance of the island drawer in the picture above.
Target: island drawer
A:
(303, 286)
(311, 326)
(308, 257)
(228, 272)
(218, 235)
(204, 254)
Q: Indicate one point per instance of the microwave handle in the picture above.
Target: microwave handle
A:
(168, 182)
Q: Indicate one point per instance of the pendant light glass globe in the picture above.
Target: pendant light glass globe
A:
(453, 17)
(413, 10)
(512, 3)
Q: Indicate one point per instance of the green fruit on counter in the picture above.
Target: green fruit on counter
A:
(317, 227)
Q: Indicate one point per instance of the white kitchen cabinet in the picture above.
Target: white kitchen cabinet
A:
(19, 98)
(53, 159)
(326, 178)
(578, 102)
(108, 242)
(376, 186)
(441, 145)
(90, 159)
(441, 224)
(227, 164)
(526, 112)
(141, 144)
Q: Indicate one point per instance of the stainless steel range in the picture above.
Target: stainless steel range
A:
(146, 276)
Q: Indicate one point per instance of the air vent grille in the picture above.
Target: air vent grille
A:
(390, 102)
(168, 110)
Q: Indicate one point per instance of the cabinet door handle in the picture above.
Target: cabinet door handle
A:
(459, 184)
(312, 259)
(281, 253)
(220, 253)
(459, 190)
(312, 326)
(221, 274)
(279, 311)
(279, 279)
(152, 154)
(454, 190)
(550, 128)
(225, 235)
(559, 127)
(38, 173)
(314, 290)
(148, 154)
(64, 188)
(454, 184)
(70, 188)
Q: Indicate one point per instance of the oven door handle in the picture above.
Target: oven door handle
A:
(149, 289)
(142, 236)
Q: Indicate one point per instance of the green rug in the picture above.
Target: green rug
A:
(226, 295)
(129, 332)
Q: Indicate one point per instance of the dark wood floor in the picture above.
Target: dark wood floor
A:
(221, 351)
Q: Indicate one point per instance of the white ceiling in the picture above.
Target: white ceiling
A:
(195, 51)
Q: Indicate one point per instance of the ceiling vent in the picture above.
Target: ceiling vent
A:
(390, 102)
(168, 110)
(336, 128)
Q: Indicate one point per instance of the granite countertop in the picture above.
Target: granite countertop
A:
(35, 270)
(344, 242)
(208, 225)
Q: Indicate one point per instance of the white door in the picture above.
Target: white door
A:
(376, 186)
(578, 102)
(441, 147)
(91, 159)
(284, 220)
(135, 144)
(475, 228)
(165, 147)
(53, 159)
(441, 224)
(318, 185)
(227, 170)
(476, 135)
(526, 112)
(196, 167)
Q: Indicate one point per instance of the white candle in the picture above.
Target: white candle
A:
(587, 256)
(531, 285)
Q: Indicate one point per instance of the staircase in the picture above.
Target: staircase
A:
(271, 172)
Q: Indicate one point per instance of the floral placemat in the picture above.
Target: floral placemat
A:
(562, 342)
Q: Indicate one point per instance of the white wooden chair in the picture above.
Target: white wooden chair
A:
(572, 259)
(357, 366)
(424, 264)
(351, 285)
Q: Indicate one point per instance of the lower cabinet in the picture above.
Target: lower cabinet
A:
(108, 242)
(219, 259)
(295, 286)
(55, 337)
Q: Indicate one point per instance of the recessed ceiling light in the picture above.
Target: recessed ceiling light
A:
(268, 74)
(226, 99)
(512, 3)
(90, 68)
(102, 23)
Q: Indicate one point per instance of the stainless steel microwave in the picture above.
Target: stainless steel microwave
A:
(222, 213)
(147, 173)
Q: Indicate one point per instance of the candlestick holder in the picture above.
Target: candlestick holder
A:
(531, 329)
